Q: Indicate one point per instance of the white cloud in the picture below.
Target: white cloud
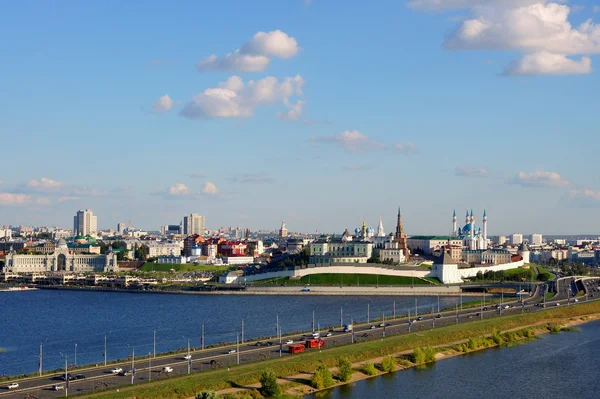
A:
(163, 104)
(210, 188)
(236, 99)
(545, 63)
(538, 29)
(469, 171)
(67, 198)
(584, 198)
(539, 179)
(14, 199)
(43, 201)
(405, 148)
(254, 55)
(45, 185)
(179, 189)
(351, 141)
(294, 110)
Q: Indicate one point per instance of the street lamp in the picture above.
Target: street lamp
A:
(75, 362)
(149, 366)
(66, 375)
(132, 362)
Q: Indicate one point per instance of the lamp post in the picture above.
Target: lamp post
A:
(75, 362)
(242, 332)
(41, 356)
(66, 375)
(237, 350)
(132, 364)
(149, 366)
(394, 310)
(154, 343)
(368, 312)
(202, 338)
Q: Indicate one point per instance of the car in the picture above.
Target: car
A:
(485, 308)
(65, 377)
(230, 351)
(259, 344)
(506, 306)
(381, 324)
(420, 318)
(576, 300)
(270, 343)
(116, 370)
(372, 327)
(557, 304)
(125, 373)
(79, 377)
(315, 335)
(289, 342)
(328, 334)
(58, 387)
(187, 357)
(14, 385)
(438, 316)
(167, 369)
(305, 290)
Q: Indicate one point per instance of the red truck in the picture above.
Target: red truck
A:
(298, 348)
(314, 343)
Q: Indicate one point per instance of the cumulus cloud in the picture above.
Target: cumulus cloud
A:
(257, 178)
(163, 104)
(45, 185)
(539, 179)
(179, 190)
(350, 140)
(584, 197)
(235, 98)
(210, 188)
(545, 63)
(539, 29)
(405, 148)
(469, 171)
(254, 55)
(14, 199)
(294, 110)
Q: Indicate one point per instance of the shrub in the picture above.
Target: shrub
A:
(345, 369)
(369, 369)
(268, 384)
(206, 395)
(322, 377)
(388, 364)
(418, 356)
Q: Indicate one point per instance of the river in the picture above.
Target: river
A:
(65, 322)
(555, 366)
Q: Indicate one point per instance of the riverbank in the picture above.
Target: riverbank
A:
(305, 364)
(290, 291)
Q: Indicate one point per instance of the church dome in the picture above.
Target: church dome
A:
(370, 230)
(61, 244)
(357, 230)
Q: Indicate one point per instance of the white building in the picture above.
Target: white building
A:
(158, 248)
(430, 244)
(85, 223)
(501, 240)
(516, 239)
(172, 259)
(6, 233)
(193, 224)
(61, 260)
(121, 228)
(392, 253)
(535, 239)
(338, 251)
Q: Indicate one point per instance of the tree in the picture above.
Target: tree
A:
(322, 377)
(269, 386)
(207, 395)
(345, 369)
(141, 253)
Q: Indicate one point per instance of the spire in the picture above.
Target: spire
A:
(399, 213)
(380, 231)
(484, 213)
(454, 214)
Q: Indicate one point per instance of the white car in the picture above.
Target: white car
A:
(14, 385)
(116, 370)
(328, 334)
(187, 357)
(167, 369)
(289, 342)
(231, 351)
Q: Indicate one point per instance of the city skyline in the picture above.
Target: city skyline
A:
(292, 115)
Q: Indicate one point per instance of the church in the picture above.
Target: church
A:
(62, 259)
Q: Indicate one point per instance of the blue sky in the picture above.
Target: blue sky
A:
(334, 113)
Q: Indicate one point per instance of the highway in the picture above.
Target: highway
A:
(98, 378)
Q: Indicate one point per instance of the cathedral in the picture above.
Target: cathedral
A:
(473, 238)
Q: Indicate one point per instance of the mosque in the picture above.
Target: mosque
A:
(473, 238)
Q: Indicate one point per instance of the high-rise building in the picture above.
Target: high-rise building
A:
(501, 240)
(193, 224)
(85, 223)
(516, 239)
(536, 239)
(121, 228)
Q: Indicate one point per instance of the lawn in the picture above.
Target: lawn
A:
(527, 274)
(544, 271)
(165, 267)
(346, 279)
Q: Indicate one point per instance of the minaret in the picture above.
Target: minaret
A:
(467, 218)
(380, 232)
(401, 236)
(472, 224)
(454, 223)
(485, 226)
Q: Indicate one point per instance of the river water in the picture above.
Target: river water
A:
(555, 366)
(63, 319)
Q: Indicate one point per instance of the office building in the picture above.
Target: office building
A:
(536, 239)
(516, 239)
(85, 223)
(193, 224)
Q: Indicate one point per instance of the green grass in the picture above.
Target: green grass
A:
(346, 280)
(527, 274)
(308, 362)
(165, 267)
(544, 271)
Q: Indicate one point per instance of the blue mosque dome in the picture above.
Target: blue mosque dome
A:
(370, 230)
(357, 230)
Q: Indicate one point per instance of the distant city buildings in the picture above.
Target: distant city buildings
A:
(516, 239)
(85, 223)
(536, 239)
(121, 228)
(283, 231)
(193, 224)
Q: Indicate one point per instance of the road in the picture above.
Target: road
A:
(98, 378)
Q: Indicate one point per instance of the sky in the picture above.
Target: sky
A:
(319, 113)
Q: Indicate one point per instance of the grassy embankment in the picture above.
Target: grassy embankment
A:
(165, 267)
(247, 374)
(345, 279)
